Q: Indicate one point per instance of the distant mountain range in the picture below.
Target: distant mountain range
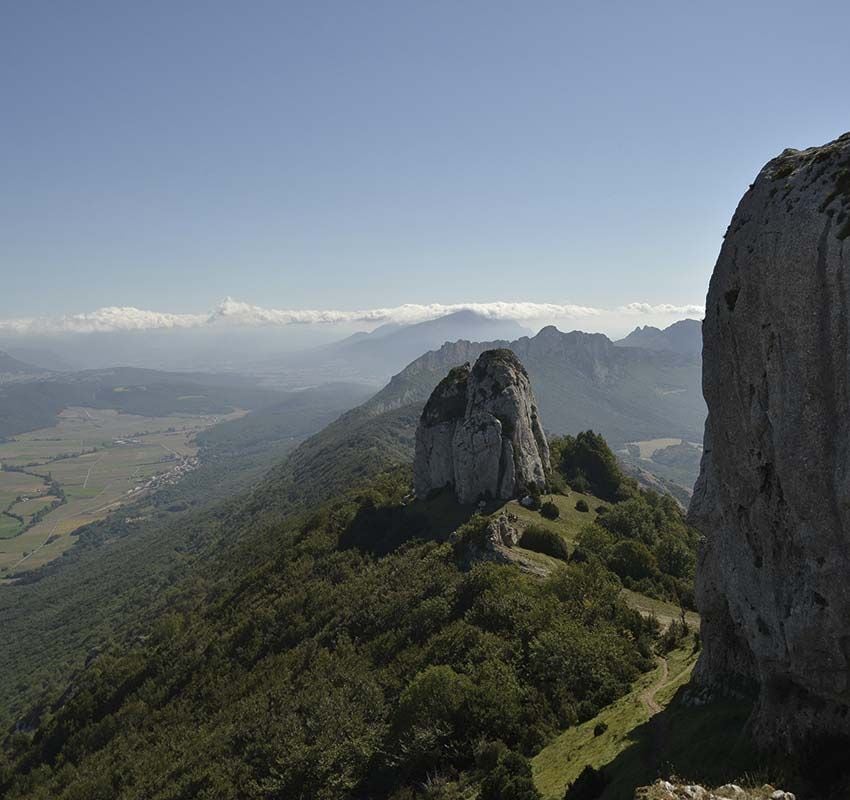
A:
(375, 356)
(581, 381)
(684, 336)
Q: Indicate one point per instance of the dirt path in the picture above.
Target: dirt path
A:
(647, 696)
(88, 474)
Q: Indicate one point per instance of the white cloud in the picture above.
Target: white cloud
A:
(236, 313)
(103, 320)
(695, 311)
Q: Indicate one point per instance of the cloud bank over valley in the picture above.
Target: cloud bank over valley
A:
(232, 313)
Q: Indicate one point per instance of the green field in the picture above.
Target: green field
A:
(100, 459)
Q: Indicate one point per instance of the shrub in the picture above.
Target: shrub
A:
(557, 484)
(601, 509)
(550, 510)
(582, 505)
(630, 559)
(595, 539)
(542, 540)
(600, 728)
(674, 634)
(632, 519)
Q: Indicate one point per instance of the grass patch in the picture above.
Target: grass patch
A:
(9, 527)
(663, 611)
(569, 522)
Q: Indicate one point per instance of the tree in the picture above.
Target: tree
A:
(510, 780)
(630, 559)
(586, 460)
(631, 519)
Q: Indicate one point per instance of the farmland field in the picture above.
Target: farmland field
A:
(88, 464)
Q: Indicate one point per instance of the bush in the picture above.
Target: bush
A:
(595, 539)
(557, 484)
(601, 509)
(634, 560)
(632, 519)
(674, 634)
(582, 505)
(542, 540)
(550, 510)
(600, 728)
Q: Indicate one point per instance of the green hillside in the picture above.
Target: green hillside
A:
(267, 645)
(122, 569)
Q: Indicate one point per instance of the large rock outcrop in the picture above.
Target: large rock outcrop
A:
(480, 432)
(773, 497)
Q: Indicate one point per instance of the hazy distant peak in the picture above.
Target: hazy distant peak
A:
(684, 336)
(10, 365)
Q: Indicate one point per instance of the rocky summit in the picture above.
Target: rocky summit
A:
(773, 497)
(480, 432)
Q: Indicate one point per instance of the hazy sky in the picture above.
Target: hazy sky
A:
(354, 155)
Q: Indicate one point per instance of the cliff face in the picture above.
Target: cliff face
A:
(480, 432)
(773, 497)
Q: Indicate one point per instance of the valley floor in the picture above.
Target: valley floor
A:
(55, 480)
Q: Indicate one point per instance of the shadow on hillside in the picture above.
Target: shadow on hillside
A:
(380, 530)
(705, 744)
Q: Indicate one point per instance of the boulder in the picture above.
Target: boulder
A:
(480, 432)
(773, 496)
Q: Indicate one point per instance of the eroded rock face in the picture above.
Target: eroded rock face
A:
(773, 497)
(480, 432)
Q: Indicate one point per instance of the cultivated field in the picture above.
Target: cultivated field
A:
(93, 459)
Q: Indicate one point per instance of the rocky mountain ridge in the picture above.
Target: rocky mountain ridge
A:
(684, 336)
(581, 380)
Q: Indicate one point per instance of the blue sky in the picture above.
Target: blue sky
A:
(358, 155)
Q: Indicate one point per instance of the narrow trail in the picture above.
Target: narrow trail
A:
(88, 474)
(647, 696)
